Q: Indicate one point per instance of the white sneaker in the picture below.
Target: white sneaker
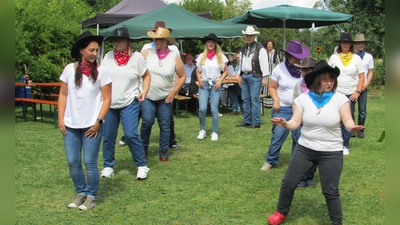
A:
(202, 135)
(122, 142)
(107, 172)
(220, 115)
(345, 151)
(142, 172)
(214, 136)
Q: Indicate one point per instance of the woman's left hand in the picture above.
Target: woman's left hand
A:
(356, 128)
(354, 96)
(217, 85)
(93, 130)
(169, 98)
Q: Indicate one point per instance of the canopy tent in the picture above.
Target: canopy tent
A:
(184, 24)
(287, 16)
(125, 10)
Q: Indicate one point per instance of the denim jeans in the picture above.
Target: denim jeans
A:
(128, 117)
(235, 97)
(172, 136)
(215, 96)
(279, 135)
(362, 107)
(74, 141)
(330, 166)
(345, 133)
(151, 110)
(251, 87)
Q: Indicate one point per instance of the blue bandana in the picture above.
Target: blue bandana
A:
(320, 99)
(361, 54)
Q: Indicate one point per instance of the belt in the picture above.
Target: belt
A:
(247, 73)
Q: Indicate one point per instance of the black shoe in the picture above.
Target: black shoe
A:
(243, 125)
(361, 134)
(254, 126)
(163, 156)
(353, 135)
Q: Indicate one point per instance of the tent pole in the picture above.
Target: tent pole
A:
(97, 29)
(181, 45)
(284, 34)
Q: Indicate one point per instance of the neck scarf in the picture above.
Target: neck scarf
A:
(211, 54)
(162, 53)
(361, 54)
(346, 58)
(293, 70)
(121, 58)
(86, 68)
(303, 86)
(320, 100)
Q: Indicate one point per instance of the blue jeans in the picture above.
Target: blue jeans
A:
(362, 107)
(279, 135)
(172, 136)
(251, 87)
(235, 96)
(345, 133)
(330, 166)
(74, 141)
(128, 116)
(215, 95)
(151, 110)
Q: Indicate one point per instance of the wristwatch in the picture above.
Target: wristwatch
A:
(358, 91)
(100, 121)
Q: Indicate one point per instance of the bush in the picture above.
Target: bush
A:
(379, 76)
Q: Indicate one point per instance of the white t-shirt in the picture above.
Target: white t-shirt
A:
(368, 62)
(84, 103)
(321, 132)
(286, 83)
(348, 78)
(126, 79)
(211, 69)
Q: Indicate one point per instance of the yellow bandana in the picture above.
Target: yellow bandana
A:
(346, 58)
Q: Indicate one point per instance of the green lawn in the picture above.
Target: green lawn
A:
(203, 183)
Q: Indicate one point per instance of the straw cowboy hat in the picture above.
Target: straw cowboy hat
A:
(163, 33)
(345, 37)
(160, 24)
(120, 32)
(306, 63)
(250, 31)
(82, 38)
(320, 68)
(297, 50)
(211, 37)
(360, 38)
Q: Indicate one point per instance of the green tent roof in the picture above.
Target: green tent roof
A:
(184, 24)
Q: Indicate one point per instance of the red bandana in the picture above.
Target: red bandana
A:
(121, 58)
(86, 68)
(210, 54)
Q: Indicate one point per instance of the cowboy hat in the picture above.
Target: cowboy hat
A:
(306, 63)
(360, 38)
(297, 50)
(160, 24)
(82, 38)
(211, 37)
(163, 33)
(320, 68)
(345, 37)
(120, 32)
(250, 31)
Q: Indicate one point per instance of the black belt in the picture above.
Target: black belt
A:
(247, 73)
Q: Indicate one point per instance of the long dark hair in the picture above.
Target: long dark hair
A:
(78, 73)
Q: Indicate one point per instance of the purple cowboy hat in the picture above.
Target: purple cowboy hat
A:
(297, 50)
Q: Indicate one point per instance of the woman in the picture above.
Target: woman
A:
(273, 60)
(126, 67)
(211, 70)
(83, 102)
(163, 64)
(351, 80)
(234, 90)
(321, 111)
(283, 79)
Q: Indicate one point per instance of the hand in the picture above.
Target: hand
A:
(93, 130)
(354, 96)
(141, 97)
(279, 121)
(217, 85)
(276, 107)
(201, 83)
(169, 98)
(61, 127)
(356, 128)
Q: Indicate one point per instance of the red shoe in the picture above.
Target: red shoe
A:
(276, 218)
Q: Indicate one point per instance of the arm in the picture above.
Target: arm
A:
(348, 122)
(62, 103)
(370, 76)
(273, 91)
(224, 74)
(181, 75)
(360, 86)
(293, 123)
(198, 74)
(264, 66)
(146, 79)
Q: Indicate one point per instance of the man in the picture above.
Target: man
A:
(189, 67)
(368, 62)
(253, 75)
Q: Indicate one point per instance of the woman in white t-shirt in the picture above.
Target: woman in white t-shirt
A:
(211, 70)
(83, 102)
(321, 112)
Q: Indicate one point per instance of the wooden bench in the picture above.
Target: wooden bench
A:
(33, 102)
(178, 98)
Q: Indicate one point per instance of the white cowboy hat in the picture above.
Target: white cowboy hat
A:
(250, 31)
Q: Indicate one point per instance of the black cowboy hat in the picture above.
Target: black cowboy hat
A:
(212, 37)
(345, 37)
(120, 32)
(85, 36)
(321, 67)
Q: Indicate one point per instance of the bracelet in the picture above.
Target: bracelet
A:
(359, 92)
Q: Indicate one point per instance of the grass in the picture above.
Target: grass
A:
(203, 183)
